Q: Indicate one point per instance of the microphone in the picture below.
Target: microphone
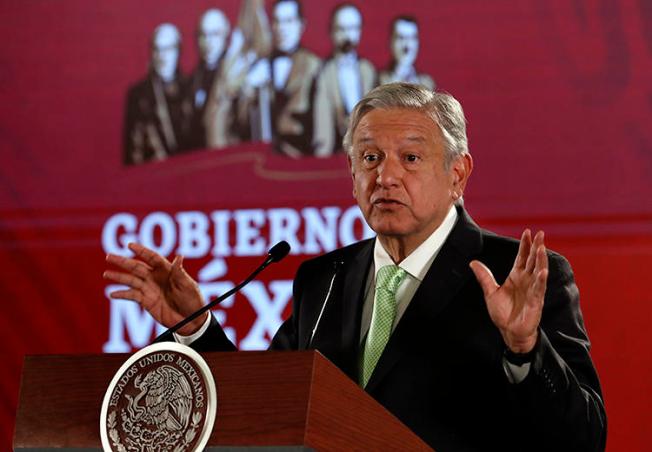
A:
(275, 254)
(337, 266)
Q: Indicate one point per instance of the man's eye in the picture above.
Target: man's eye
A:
(411, 157)
(370, 158)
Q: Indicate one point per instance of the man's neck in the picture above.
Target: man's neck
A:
(350, 55)
(401, 246)
(404, 70)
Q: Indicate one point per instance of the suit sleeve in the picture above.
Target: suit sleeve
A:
(213, 340)
(286, 338)
(562, 392)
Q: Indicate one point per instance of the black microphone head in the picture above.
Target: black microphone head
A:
(279, 251)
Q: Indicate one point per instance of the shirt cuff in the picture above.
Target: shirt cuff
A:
(515, 373)
(187, 340)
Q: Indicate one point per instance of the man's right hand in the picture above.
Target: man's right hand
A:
(161, 287)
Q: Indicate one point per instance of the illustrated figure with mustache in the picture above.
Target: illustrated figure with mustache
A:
(287, 77)
(404, 46)
(344, 79)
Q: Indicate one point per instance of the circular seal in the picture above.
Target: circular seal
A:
(162, 398)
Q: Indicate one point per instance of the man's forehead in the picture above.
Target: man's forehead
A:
(405, 28)
(286, 10)
(397, 114)
(166, 38)
(348, 16)
(213, 21)
(369, 137)
(411, 125)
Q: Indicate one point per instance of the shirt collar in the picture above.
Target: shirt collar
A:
(347, 59)
(417, 263)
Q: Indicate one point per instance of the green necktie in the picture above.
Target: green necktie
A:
(387, 281)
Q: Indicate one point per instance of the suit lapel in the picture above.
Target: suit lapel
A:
(337, 337)
(446, 276)
(352, 301)
(297, 70)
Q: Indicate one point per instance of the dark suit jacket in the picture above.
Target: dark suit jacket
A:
(199, 86)
(331, 117)
(442, 370)
(292, 105)
(156, 120)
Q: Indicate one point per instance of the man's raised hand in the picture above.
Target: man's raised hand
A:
(516, 306)
(161, 287)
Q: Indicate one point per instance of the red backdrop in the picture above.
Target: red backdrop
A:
(557, 95)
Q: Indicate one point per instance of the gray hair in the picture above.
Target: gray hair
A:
(442, 108)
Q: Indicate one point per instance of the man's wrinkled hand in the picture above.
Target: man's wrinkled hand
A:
(516, 306)
(161, 287)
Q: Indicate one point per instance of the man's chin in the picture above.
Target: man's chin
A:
(388, 228)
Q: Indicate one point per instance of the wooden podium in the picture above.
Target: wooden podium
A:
(266, 400)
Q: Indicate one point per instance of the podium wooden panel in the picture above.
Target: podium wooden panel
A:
(268, 400)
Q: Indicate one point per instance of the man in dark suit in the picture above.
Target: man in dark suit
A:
(156, 118)
(342, 82)
(212, 38)
(415, 316)
(279, 90)
(404, 47)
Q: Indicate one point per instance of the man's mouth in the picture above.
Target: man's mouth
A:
(347, 45)
(386, 203)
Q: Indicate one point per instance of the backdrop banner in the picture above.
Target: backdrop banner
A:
(213, 130)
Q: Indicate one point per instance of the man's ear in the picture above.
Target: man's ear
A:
(461, 171)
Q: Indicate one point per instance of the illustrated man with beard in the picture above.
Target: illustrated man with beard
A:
(342, 82)
(287, 80)
(156, 120)
(405, 48)
(212, 37)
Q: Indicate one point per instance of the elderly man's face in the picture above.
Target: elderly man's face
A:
(405, 42)
(287, 26)
(165, 52)
(399, 179)
(347, 26)
(212, 36)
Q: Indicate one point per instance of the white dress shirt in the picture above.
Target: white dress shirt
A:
(416, 265)
(348, 77)
(282, 65)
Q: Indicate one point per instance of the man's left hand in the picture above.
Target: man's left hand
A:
(516, 306)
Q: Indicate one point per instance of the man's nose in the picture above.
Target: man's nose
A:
(390, 172)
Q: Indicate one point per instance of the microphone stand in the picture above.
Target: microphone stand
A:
(278, 252)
